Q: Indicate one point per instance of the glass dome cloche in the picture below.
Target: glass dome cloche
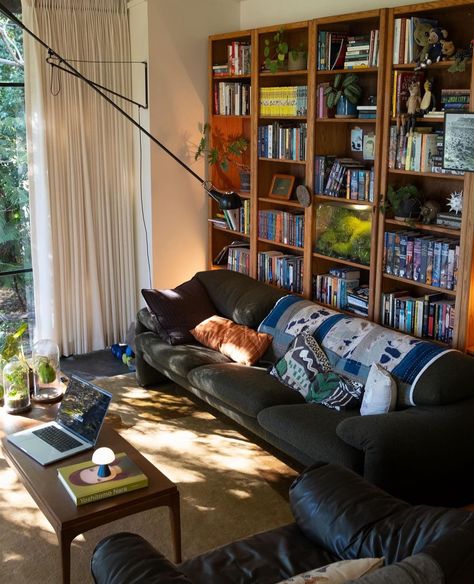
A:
(16, 386)
(45, 365)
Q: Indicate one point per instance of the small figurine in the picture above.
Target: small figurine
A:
(460, 58)
(428, 101)
(414, 100)
(421, 37)
(455, 200)
(435, 48)
(429, 210)
(447, 50)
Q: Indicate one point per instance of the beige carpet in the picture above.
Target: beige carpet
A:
(229, 487)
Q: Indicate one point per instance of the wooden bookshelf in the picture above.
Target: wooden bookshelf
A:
(331, 136)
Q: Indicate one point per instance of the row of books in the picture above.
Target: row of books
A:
(223, 255)
(362, 51)
(282, 226)
(238, 60)
(358, 300)
(339, 50)
(280, 269)
(235, 219)
(283, 140)
(455, 99)
(430, 316)
(232, 99)
(332, 288)
(405, 47)
(284, 101)
(238, 260)
(415, 150)
(422, 258)
(343, 178)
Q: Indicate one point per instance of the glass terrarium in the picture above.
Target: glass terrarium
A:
(344, 231)
(45, 365)
(16, 386)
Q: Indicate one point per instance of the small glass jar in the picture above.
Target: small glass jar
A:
(45, 365)
(16, 387)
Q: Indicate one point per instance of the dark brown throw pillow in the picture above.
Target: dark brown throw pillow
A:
(179, 310)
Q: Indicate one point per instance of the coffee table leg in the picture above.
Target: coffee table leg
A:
(65, 551)
(175, 518)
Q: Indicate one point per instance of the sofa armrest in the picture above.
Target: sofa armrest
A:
(126, 558)
(422, 454)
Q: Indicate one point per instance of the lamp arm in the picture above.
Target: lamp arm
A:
(71, 69)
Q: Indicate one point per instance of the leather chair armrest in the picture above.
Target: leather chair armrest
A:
(421, 454)
(126, 558)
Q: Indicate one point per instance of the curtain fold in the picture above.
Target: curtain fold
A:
(81, 174)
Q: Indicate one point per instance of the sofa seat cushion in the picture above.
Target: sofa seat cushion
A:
(311, 428)
(246, 389)
(176, 359)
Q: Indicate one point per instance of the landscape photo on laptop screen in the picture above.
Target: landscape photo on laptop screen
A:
(83, 409)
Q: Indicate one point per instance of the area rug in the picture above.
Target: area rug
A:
(229, 487)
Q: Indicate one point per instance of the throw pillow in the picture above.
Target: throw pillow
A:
(380, 393)
(338, 572)
(179, 310)
(238, 342)
(305, 368)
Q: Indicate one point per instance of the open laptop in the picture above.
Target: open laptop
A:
(76, 428)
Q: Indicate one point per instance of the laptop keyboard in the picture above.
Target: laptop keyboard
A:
(57, 438)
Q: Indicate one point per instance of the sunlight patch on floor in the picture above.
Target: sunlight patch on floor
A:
(239, 493)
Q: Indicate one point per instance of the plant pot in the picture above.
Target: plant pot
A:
(409, 209)
(244, 181)
(345, 108)
(298, 62)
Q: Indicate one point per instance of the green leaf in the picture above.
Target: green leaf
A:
(330, 100)
(266, 51)
(283, 48)
(337, 80)
(225, 164)
(328, 90)
(281, 57)
(349, 79)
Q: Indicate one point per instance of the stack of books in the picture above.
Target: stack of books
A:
(405, 48)
(367, 112)
(238, 260)
(455, 100)
(331, 50)
(422, 258)
(284, 101)
(343, 171)
(360, 184)
(362, 51)
(239, 58)
(283, 140)
(450, 220)
(430, 316)
(322, 170)
(282, 226)
(332, 288)
(358, 301)
(280, 269)
(232, 99)
(83, 484)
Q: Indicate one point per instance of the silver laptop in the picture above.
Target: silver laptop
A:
(76, 428)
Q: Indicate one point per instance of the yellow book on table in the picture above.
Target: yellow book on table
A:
(83, 484)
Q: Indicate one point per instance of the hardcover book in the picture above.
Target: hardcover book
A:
(83, 484)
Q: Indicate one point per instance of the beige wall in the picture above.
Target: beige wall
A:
(256, 13)
(176, 33)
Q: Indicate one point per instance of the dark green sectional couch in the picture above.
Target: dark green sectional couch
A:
(422, 453)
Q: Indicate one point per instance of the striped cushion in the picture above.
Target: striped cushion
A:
(306, 369)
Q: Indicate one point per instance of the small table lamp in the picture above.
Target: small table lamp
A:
(103, 457)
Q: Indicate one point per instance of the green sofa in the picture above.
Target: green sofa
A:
(422, 453)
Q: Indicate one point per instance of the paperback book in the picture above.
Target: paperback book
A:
(83, 484)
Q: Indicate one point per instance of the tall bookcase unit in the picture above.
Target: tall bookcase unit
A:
(414, 283)
(228, 123)
(268, 216)
(284, 147)
(351, 206)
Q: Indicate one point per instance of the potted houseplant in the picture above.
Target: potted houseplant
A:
(297, 58)
(10, 348)
(405, 202)
(16, 385)
(343, 95)
(275, 52)
(225, 153)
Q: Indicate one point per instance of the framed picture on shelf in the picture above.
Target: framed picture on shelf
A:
(368, 152)
(282, 186)
(458, 152)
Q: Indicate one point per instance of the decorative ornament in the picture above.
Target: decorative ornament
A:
(303, 195)
(455, 202)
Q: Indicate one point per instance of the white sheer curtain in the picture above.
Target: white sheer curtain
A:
(81, 175)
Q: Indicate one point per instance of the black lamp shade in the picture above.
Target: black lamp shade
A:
(225, 201)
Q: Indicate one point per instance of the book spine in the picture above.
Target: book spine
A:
(111, 492)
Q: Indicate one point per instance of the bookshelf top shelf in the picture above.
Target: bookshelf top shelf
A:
(357, 70)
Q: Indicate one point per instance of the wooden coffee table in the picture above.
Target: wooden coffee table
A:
(49, 494)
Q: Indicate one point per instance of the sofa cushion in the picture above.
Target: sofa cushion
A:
(305, 368)
(311, 428)
(179, 310)
(176, 359)
(246, 389)
(380, 392)
(146, 321)
(238, 342)
(239, 297)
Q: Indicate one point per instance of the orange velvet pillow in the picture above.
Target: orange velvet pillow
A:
(240, 343)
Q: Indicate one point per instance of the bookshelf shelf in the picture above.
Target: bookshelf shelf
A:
(424, 227)
(324, 198)
(241, 116)
(413, 283)
(331, 138)
(226, 230)
(340, 261)
(348, 312)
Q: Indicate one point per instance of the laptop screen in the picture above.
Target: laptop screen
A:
(83, 409)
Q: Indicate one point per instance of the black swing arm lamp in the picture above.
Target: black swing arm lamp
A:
(225, 200)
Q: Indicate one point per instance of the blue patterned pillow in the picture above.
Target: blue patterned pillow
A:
(306, 369)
